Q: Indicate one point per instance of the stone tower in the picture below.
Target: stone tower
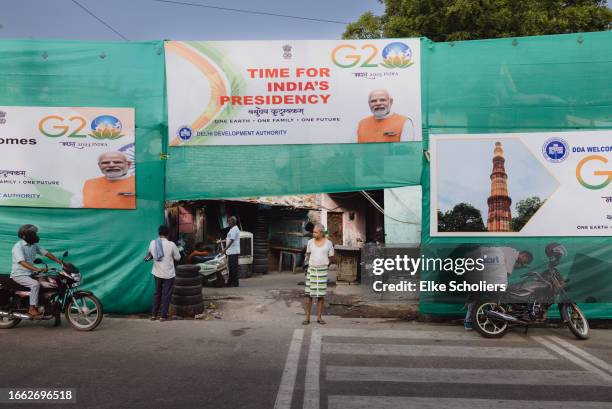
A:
(500, 217)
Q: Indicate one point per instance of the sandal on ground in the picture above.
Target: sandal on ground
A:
(321, 322)
(305, 322)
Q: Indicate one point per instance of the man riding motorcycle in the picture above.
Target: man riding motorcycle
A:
(23, 254)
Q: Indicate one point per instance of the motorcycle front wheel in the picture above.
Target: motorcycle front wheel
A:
(6, 322)
(84, 312)
(486, 326)
(576, 321)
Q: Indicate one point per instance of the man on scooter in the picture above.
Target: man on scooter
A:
(24, 253)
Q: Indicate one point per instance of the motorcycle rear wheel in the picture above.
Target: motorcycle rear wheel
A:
(7, 323)
(577, 322)
(489, 327)
(84, 312)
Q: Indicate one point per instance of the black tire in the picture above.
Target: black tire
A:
(79, 325)
(260, 263)
(186, 299)
(187, 291)
(187, 310)
(260, 253)
(187, 271)
(186, 275)
(487, 327)
(187, 281)
(6, 323)
(577, 322)
(260, 269)
(188, 268)
(244, 271)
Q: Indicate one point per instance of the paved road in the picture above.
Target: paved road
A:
(347, 364)
(443, 368)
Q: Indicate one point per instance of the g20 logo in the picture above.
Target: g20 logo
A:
(606, 173)
(55, 126)
(102, 127)
(394, 55)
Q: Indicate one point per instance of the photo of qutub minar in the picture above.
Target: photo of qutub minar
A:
(500, 217)
(474, 197)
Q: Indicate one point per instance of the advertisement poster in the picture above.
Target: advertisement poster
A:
(522, 184)
(67, 157)
(293, 92)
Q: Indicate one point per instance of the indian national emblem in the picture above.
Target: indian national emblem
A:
(287, 52)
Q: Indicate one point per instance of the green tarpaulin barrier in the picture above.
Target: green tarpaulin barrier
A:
(107, 245)
(527, 84)
(505, 85)
(238, 171)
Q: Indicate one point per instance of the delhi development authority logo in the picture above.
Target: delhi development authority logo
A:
(555, 150)
(106, 127)
(184, 133)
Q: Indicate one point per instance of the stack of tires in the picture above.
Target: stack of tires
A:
(261, 246)
(244, 271)
(187, 296)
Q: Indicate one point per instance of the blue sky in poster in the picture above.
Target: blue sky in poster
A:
(468, 180)
(154, 19)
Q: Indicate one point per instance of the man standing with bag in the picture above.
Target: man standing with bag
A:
(164, 253)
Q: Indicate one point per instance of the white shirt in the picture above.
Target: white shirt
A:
(165, 267)
(233, 234)
(22, 251)
(319, 256)
(498, 264)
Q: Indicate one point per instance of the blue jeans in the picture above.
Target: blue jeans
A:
(468, 314)
(161, 298)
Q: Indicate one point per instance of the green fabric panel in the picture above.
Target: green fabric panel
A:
(202, 172)
(557, 82)
(541, 83)
(107, 245)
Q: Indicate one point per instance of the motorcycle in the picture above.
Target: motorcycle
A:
(58, 293)
(213, 269)
(527, 302)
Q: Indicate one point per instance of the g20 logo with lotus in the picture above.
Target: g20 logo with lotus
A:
(393, 56)
(102, 127)
(106, 127)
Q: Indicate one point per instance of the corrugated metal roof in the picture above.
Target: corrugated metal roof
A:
(310, 202)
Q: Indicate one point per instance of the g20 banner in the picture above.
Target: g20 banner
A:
(522, 184)
(293, 92)
(67, 157)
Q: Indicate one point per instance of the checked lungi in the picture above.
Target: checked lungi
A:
(316, 282)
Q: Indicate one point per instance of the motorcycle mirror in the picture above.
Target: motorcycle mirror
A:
(38, 261)
(65, 254)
